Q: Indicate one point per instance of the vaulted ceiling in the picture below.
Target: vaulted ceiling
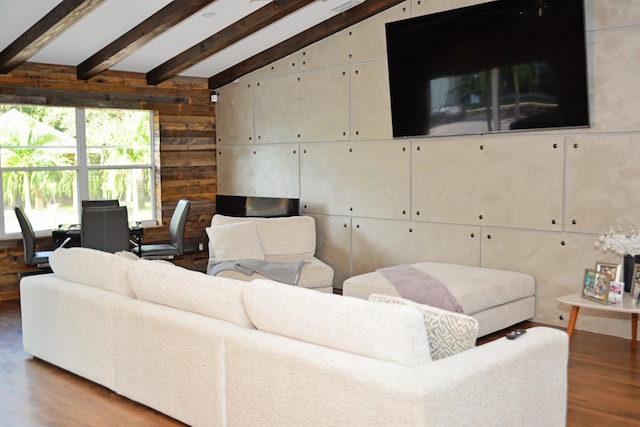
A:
(220, 40)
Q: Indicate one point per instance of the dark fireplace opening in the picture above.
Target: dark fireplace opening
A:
(257, 206)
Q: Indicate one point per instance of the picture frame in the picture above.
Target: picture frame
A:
(616, 289)
(595, 286)
(635, 286)
(612, 269)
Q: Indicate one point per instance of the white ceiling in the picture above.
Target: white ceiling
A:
(113, 18)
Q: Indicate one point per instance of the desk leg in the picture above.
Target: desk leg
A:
(139, 242)
(634, 330)
(572, 320)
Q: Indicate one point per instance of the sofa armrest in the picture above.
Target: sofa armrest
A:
(284, 381)
(504, 382)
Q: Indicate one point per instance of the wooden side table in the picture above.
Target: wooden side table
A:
(627, 305)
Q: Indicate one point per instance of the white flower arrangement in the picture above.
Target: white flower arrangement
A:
(622, 244)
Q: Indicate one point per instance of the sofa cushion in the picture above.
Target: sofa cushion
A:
(393, 333)
(449, 332)
(188, 290)
(314, 274)
(235, 241)
(294, 235)
(93, 268)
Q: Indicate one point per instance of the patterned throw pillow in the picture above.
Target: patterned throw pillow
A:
(449, 333)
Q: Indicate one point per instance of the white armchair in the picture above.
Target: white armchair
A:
(278, 240)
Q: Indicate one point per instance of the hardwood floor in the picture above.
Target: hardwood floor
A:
(604, 386)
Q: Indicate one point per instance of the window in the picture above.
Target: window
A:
(52, 158)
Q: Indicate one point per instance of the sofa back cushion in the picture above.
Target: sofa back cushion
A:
(164, 283)
(93, 268)
(392, 333)
(293, 235)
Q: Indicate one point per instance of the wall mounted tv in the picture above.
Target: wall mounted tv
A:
(501, 66)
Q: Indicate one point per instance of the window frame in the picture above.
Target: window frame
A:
(82, 167)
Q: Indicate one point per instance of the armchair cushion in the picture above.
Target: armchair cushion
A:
(293, 235)
(449, 332)
(234, 241)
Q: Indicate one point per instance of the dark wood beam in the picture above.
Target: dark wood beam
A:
(302, 40)
(235, 32)
(61, 17)
(170, 15)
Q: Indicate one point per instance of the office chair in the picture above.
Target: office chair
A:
(31, 256)
(100, 203)
(176, 231)
(105, 228)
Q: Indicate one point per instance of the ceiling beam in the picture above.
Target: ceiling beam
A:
(302, 40)
(170, 15)
(235, 32)
(61, 17)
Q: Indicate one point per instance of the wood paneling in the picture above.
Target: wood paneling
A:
(186, 122)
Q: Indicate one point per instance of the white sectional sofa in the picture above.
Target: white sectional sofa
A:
(214, 351)
(280, 240)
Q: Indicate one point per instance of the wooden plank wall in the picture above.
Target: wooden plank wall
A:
(185, 124)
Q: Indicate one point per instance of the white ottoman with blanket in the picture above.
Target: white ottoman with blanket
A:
(496, 298)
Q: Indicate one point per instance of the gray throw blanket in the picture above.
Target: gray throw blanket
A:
(418, 286)
(285, 272)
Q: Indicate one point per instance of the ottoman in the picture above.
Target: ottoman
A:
(498, 299)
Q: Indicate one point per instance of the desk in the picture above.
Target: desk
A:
(627, 305)
(73, 231)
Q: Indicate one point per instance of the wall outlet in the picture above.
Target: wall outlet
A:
(201, 246)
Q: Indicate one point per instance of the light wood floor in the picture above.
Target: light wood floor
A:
(604, 386)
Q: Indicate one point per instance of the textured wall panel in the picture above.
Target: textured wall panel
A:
(370, 105)
(511, 182)
(234, 114)
(362, 42)
(355, 179)
(333, 245)
(367, 39)
(614, 88)
(304, 107)
(288, 64)
(248, 170)
(603, 179)
(557, 261)
(382, 243)
(424, 7)
(611, 13)
(328, 52)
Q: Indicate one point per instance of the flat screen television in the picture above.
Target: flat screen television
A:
(501, 66)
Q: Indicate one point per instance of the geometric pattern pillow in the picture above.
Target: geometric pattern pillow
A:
(449, 332)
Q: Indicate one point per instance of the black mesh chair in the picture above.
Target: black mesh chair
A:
(105, 229)
(31, 256)
(176, 232)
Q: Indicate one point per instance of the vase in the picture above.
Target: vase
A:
(628, 266)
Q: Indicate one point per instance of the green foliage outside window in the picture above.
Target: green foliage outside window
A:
(42, 171)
